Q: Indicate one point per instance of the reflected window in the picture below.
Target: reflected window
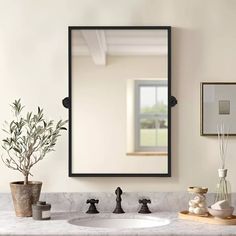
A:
(151, 115)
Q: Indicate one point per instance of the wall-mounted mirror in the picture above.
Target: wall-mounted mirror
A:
(119, 91)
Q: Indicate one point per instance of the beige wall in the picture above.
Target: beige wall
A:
(33, 66)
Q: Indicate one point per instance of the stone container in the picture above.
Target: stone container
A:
(24, 196)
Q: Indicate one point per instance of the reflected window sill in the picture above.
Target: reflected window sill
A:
(147, 154)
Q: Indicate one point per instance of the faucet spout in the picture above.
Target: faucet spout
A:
(118, 209)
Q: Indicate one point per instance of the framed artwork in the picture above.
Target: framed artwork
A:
(218, 106)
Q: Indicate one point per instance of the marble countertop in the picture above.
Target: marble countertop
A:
(58, 225)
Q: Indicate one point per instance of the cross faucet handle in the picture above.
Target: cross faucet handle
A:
(92, 201)
(92, 208)
(144, 208)
(144, 201)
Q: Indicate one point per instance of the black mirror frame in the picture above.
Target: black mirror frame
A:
(67, 101)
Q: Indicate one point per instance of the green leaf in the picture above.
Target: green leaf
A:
(5, 141)
(63, 128)
(64, 122)
(28, 116)
(16, 149)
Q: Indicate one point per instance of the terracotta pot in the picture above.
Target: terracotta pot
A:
(24, 196)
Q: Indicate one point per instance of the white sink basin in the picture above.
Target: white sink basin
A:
(120, 222)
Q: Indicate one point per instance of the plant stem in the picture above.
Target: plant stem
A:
(26, 181)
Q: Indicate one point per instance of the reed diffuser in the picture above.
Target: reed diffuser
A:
(223, 186)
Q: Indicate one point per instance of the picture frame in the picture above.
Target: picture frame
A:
(218, 106)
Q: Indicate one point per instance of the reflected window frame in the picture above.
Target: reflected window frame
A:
(138, 115)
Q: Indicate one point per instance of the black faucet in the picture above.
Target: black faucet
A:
(118, 209)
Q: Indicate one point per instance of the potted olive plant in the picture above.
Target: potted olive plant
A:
(28, 139)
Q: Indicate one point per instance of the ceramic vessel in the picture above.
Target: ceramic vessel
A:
(24, 196)
(223, 213)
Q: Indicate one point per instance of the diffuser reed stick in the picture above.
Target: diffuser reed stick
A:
(222, 187)
(223, 143)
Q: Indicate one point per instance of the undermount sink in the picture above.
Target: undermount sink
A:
(123, 222)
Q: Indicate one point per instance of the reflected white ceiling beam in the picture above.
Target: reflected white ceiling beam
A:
(99, 44)
(134, 50)
(139, 41)
(96, 42)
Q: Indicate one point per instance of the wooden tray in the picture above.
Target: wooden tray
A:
(209, 219)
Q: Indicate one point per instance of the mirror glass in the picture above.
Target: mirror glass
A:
(119, 79)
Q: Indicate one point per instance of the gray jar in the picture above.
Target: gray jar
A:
(41, 211)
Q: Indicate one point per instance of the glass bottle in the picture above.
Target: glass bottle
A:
(223, 188)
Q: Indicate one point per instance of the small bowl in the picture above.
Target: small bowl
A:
(223, 213)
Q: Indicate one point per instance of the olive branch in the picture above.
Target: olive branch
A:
(28, 139)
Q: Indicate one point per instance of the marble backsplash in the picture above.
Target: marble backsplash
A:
(68, 202)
